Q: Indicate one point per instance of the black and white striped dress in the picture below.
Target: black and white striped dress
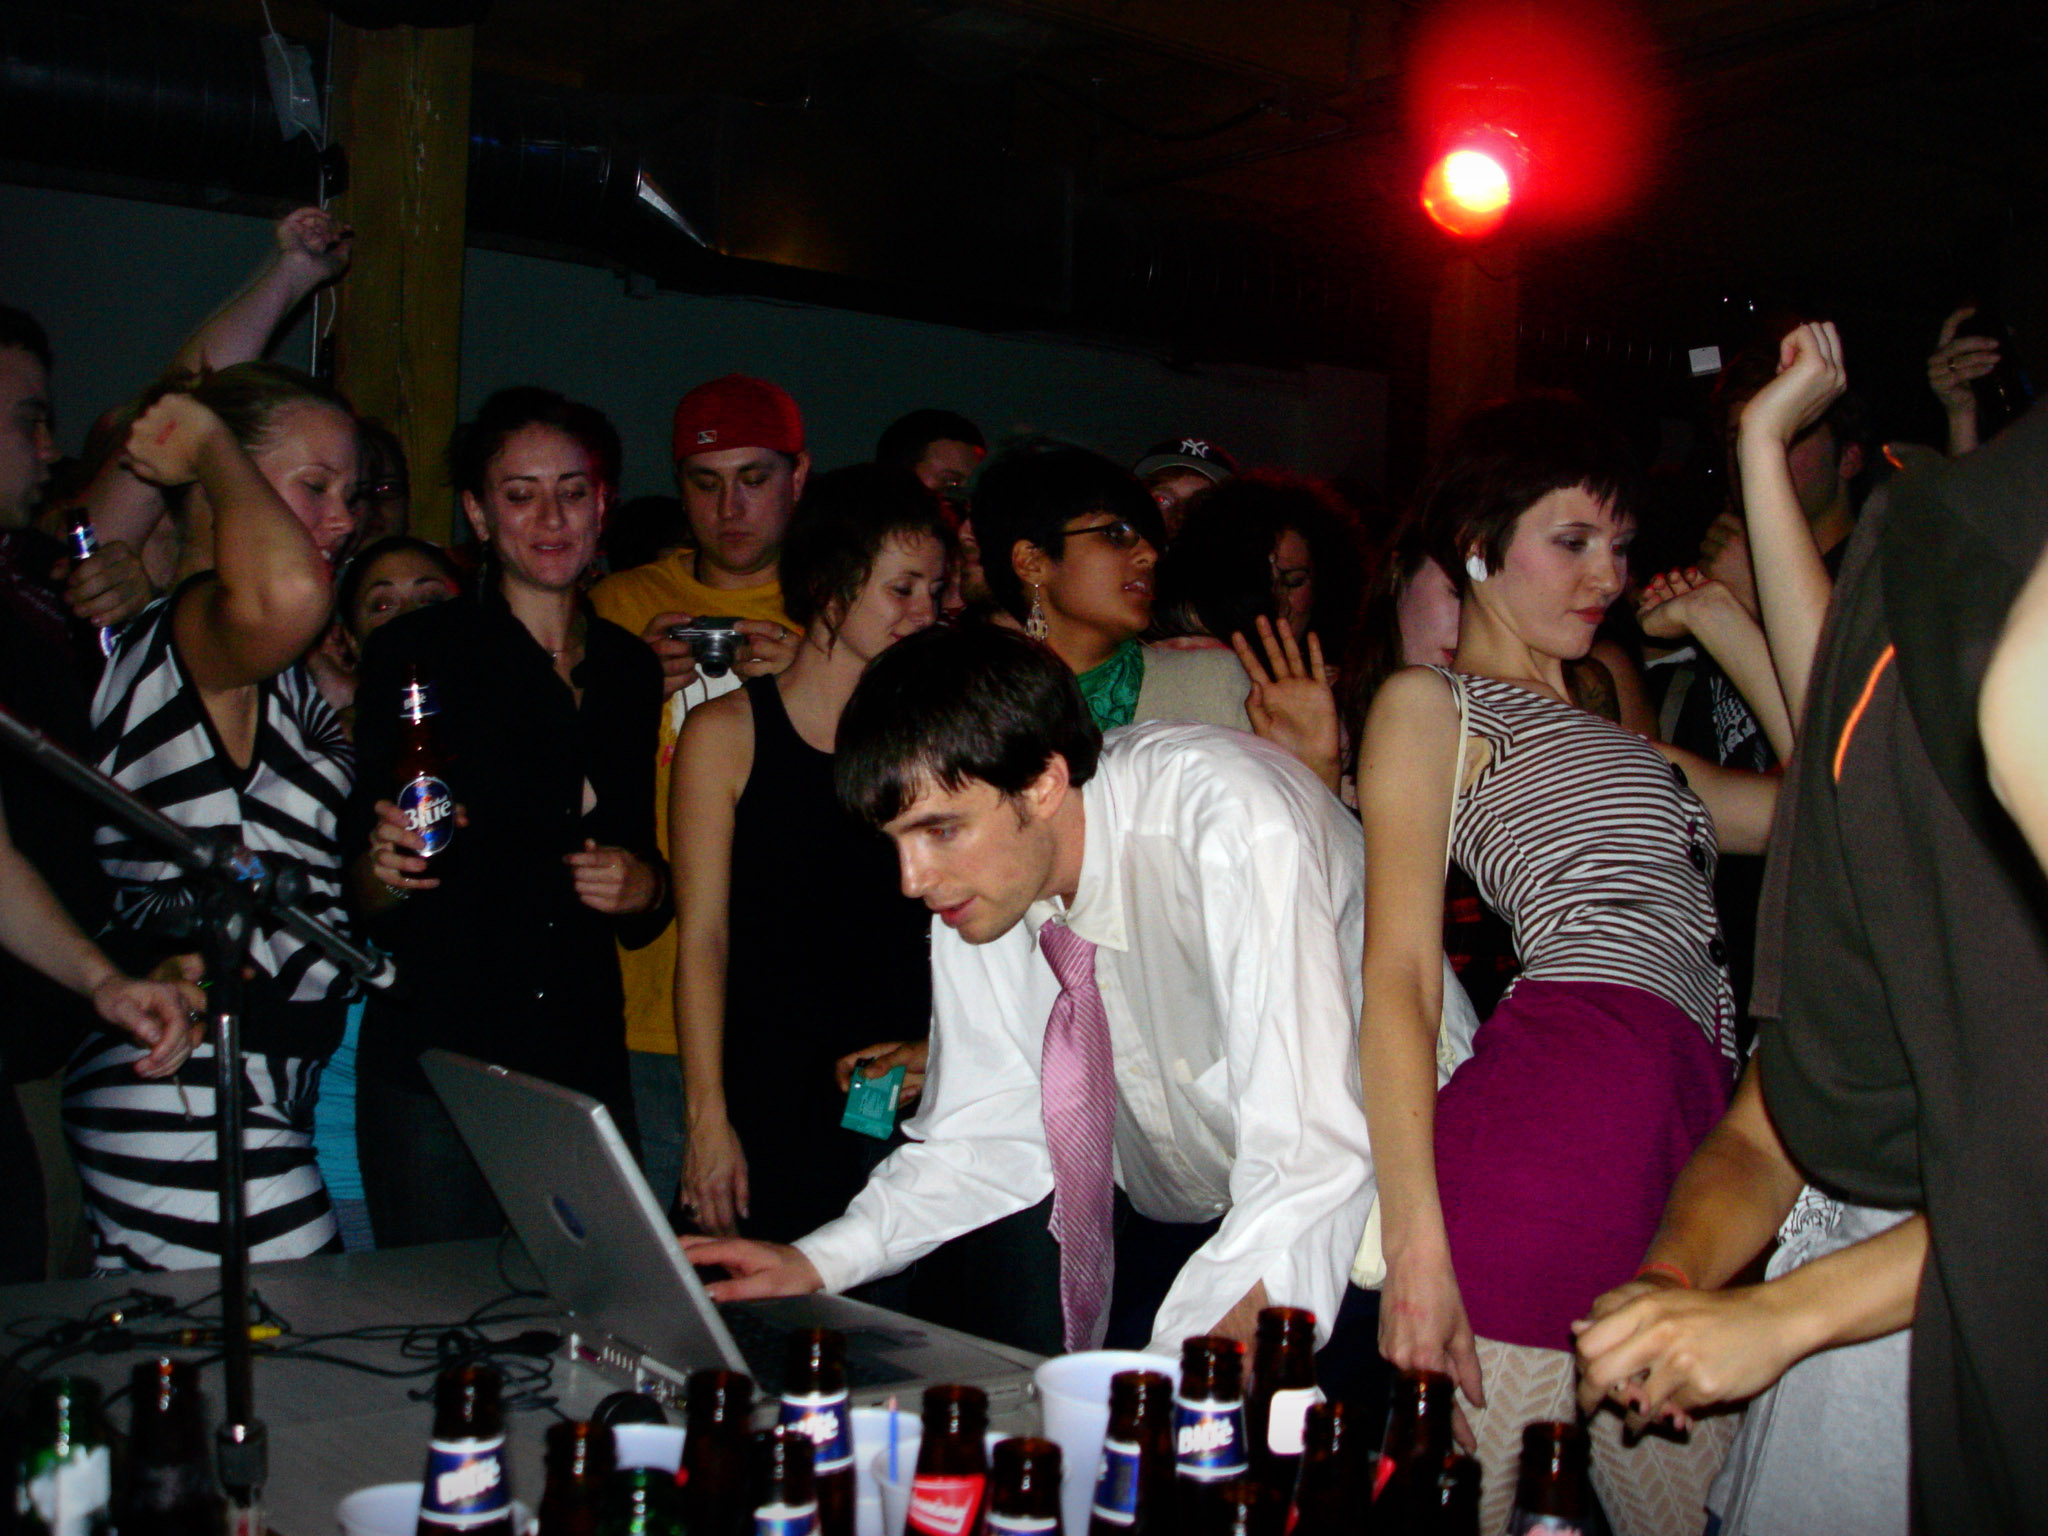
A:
(1594, 847)
(145, 1150)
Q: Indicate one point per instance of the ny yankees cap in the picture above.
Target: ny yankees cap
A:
(1196, 453)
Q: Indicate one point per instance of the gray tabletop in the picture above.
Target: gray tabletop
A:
(333, 1430)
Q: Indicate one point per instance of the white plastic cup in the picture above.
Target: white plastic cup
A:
(393, 1509)
(870, 1450)
(659, 1446)
(1073, 1401)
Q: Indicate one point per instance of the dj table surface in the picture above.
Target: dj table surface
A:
(332, 1428)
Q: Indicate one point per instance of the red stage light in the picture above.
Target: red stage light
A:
(1468, 191)
(1473, 181)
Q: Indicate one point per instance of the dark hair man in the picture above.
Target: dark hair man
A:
(942, 448)
(1148, 946)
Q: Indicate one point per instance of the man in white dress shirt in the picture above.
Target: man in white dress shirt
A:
(1221, 887)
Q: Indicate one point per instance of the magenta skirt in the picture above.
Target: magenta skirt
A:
(1556, 1146)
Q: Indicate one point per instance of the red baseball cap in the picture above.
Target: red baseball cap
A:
(737, 412)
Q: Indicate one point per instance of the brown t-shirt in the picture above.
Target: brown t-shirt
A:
(1903, 965)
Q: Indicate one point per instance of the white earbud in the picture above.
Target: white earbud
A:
(1475, 566)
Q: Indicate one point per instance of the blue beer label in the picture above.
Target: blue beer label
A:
(465, 1485)
(1208, 1440)
(786, 1520)
(429, 809)
(823, 1418)
(1116, 1485)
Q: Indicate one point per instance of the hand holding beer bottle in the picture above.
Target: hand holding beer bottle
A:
(418, 827)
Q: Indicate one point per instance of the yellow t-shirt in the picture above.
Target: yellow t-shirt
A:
(630, 599)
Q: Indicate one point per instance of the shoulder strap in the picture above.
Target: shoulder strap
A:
(1458, 767)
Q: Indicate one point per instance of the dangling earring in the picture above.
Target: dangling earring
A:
(1034, 621)
(1475, 566)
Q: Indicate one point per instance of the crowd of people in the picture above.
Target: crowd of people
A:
(1617, 988)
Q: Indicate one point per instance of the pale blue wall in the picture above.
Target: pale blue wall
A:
(119, 284)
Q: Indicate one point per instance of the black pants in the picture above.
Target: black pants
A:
(24, 1232)
(419, 1181)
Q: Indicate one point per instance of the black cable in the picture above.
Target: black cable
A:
(524, 1360)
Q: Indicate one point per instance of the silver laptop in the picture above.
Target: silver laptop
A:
(577, 1201)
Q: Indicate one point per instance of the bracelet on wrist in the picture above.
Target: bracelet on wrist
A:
(1671, 1272)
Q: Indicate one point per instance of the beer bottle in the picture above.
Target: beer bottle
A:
(64, 1483)
(1456, 1512)
(2004, 393)
(1025, 1494)
(579, 1457)
(85, 543)
(714, 1475)
(814, 1401)
(424, 798)
(1329, 1493)
(949, 1493)
(1283, 1387)
(785, 1499)
(639, 1501)
(1418, 1439)
(1134, 1487)
(465, 1488)
(170, 1469)
(1208, 1427)
(1245, 1507)
(1550, 1495)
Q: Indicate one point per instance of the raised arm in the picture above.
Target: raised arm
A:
(312, 248)
(1682, 603)
(1957, 363)
(714, 755)
(36, 930)
(270, 593)
(1404, 792)
(1793, 586)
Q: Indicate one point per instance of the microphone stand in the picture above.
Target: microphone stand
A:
(239, 890)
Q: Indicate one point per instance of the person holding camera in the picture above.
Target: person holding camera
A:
(740, 467)
(506, 938)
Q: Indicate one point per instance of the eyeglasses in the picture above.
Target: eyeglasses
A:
(1119, 534)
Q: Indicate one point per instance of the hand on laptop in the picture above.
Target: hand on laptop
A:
(758, 1269)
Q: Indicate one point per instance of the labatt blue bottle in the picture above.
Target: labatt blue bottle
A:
(1134, 1481)
(424, 798)
(466, 1490)
(85, 543)
(785, 1498)
(1209, 1446)
(814, 1403)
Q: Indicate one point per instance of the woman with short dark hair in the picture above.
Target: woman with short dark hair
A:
(506, 943)
(1531, 1180)
(796, 949)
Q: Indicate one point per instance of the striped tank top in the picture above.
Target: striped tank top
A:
(1594, 847)
(153, 736)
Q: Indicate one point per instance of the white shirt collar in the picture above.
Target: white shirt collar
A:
(1097, 911)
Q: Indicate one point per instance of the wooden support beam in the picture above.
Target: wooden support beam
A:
(401, 110)
(1471, 339)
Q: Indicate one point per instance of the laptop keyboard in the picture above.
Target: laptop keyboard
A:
(764, 1345)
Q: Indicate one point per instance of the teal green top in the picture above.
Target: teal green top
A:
(1111, 689)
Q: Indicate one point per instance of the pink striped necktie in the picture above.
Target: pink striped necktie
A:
(1078, 1096)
